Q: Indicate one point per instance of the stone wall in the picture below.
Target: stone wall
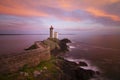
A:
(31, 58)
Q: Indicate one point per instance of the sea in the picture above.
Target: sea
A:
(100, 49)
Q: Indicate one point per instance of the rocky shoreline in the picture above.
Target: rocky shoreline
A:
(73, 71)
(57, 68)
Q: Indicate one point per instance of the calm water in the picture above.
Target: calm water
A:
(101, 49)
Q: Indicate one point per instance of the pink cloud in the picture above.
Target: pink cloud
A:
(100, 13)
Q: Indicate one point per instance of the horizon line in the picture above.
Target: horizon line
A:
(35, 34)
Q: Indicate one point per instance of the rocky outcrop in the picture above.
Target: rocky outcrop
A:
(72, 71)
(81, 63)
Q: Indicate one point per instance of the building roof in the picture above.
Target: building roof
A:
(51, 27)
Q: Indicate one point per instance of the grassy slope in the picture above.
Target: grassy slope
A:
(51, 72)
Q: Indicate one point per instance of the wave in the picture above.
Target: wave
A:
(89, 67)
(87, 45)
(86, 61)
(72, 47)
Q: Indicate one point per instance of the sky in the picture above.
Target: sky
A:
(36, 16)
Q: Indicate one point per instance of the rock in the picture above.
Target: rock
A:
(82, 63)
(72, 71)
(83, 74)
(91, 73)
(41, 71)
(97, 72)
(45, 67)
(21, 73)
(36, 73)
(26, 74)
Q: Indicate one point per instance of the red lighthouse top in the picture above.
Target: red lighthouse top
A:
(51, 27)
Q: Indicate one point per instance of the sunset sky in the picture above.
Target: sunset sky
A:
(35, 16)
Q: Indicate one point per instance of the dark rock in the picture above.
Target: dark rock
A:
(97, 72)
(83, 64)
(91, 73)
(72, 71)
(82, 74)
(65, 40)
(31, 47)
(63, 45)
(36, 73)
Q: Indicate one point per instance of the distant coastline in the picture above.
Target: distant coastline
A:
(35, 34)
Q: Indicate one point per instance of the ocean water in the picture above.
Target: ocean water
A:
(101, 50)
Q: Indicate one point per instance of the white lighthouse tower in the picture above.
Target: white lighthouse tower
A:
(51, 32)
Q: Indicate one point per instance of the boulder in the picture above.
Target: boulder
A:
(82, 63)
(36, 73)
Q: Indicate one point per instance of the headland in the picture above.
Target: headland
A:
(44, 60)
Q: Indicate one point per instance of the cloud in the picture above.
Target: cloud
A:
(106, 22)
(38, 8)
(32, 13)
(59, 8)
(82, 4)
(8, 22)
(112, 8)
(99, 13)
(20, 11)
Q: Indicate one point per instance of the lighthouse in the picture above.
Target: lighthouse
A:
(51, 32)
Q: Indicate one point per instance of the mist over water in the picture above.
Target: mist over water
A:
(101, 49)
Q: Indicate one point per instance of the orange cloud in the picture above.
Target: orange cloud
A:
(34, 9)
(100, 13)
(66, 5)
(114, 1)
(83, 4)
(14, 8)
